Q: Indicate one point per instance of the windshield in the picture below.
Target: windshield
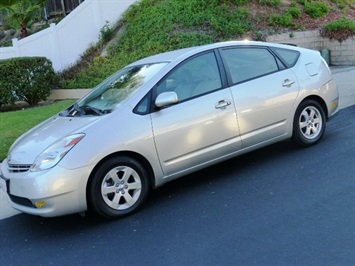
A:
(116, 88)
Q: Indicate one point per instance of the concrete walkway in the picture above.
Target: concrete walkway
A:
(345, 79)
(344, 76)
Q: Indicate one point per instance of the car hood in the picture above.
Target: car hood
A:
(29, 146)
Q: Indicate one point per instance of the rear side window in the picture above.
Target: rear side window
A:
(289, 57)
(248, 63)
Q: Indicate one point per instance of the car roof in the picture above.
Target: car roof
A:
(185, 52)
(164, 57)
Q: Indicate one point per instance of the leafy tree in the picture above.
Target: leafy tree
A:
(22, 12)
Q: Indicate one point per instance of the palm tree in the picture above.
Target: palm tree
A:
(22, 12)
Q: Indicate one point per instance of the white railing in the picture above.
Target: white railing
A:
(65, 42)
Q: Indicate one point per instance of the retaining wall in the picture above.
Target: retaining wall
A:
(341, 53)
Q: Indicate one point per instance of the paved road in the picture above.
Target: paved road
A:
(280, 205)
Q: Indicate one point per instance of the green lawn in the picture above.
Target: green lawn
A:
(14, 124)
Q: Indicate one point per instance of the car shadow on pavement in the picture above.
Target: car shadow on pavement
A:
(164, 197)
(173, 196)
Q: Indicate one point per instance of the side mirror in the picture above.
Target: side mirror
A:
(166, 98)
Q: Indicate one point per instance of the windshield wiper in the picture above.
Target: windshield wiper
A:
(76, 110)
(71, 111)
(91, 110)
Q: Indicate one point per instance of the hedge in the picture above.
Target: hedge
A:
(28, 79)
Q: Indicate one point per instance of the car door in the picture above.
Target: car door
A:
(202, 126)
(264, 91)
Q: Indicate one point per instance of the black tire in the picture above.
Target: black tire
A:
(309, 123)
(118, 187)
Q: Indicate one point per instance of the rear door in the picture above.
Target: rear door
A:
(264, 91)
(202, 126)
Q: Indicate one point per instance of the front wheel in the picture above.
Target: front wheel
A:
(118, 187)
(309, 123)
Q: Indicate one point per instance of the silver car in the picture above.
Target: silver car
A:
(166, 116)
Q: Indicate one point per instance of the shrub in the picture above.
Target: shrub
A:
(28, 79)
(341, 24)
(241, 2)
(343, 3)
(270, 2)
(295, 12)
(302, 2)
(6, 96)
(340, 29)
(317, 9)
(106, 33)
(278, 20)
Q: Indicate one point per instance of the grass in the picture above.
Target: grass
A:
(14, 124)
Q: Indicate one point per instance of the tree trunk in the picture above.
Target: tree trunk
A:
(24, 32)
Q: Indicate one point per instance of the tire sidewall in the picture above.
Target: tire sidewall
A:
(95, 199)
(297, 134)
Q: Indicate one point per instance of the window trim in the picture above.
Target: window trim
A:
(221, 70)
(228, 72)
(148, 111)
(274, 51)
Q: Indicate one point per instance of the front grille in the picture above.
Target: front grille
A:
(19, 168)
(21, 201)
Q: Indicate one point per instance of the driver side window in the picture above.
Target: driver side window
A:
(197, 76)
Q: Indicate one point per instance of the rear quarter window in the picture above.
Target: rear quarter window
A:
(288, 57)
(246, 63)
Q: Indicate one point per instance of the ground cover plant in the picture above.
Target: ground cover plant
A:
(153, 26)
(339, 29)
(15, 123)
(317, 9)
(157, 26)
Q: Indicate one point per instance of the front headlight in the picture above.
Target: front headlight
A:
(54, 153)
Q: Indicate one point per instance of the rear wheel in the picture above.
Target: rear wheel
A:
(309, 123)
(118, 188)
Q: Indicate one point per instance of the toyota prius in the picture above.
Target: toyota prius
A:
(164, 117)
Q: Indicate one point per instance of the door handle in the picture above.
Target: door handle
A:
(288, 83)
(222, 104)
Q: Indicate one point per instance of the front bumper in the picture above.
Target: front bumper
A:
(54, 192)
